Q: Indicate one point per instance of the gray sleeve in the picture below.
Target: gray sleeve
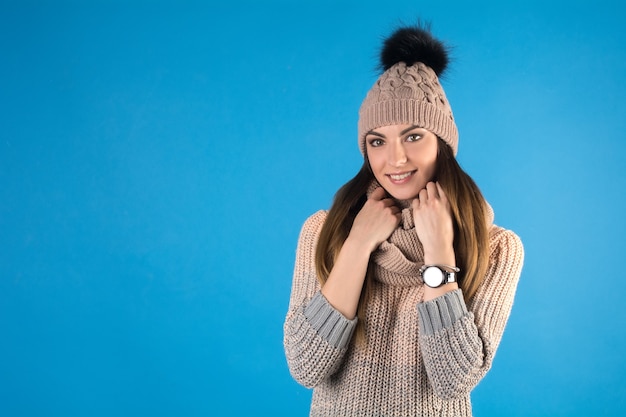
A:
(452, 350)
(328, 322)
(315, 335)
(458, 341)
(441, 312)
(316, 338)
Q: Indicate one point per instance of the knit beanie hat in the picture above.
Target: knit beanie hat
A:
(408, 91)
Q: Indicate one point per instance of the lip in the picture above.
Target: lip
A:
(400, 178)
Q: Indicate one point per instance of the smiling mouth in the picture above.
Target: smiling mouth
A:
(400, 177)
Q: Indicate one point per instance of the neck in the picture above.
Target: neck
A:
(403, 204)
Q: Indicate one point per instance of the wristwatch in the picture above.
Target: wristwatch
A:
(437, 275)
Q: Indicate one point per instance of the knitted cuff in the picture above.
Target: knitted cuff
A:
(328, 322)
(441, 312)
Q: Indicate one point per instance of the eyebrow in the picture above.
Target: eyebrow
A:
(408, 129)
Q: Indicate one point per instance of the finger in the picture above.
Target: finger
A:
(441, 192)
(431, 187)
(423, 195)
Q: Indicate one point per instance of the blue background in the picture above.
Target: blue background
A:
(157, 160)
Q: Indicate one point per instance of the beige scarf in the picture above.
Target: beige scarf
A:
(398, 259)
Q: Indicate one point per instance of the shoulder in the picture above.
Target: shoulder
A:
(500, 238)
(315, 221)
(504, 237)
(312, 226)
(506, 246)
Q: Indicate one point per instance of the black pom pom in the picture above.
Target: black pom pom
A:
(413, 44)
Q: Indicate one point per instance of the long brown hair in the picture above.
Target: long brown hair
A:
(469, 213)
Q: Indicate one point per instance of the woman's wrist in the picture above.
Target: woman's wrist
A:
(443, 256)
(359, 245)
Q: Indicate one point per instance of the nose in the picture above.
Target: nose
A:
(396, 155)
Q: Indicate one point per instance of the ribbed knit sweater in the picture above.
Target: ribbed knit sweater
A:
(421, 358)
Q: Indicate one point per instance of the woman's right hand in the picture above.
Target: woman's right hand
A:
(375, 222)
(377, 219)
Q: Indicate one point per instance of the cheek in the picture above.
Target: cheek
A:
(430, 171)
(430, 167)
(431, 162)
(426, 161)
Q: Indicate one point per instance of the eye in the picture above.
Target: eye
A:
(376, 142)
(414, 137)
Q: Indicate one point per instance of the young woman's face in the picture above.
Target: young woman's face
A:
(402, 158)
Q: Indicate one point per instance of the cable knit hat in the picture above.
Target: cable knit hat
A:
(408, 91)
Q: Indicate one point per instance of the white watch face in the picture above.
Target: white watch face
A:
(433, 276)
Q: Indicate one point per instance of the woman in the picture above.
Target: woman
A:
(401, 291)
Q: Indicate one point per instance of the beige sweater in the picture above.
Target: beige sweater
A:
(422, 358)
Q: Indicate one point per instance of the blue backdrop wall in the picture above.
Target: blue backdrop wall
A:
(157, 160)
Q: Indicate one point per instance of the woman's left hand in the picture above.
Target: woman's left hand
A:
(433, 224)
